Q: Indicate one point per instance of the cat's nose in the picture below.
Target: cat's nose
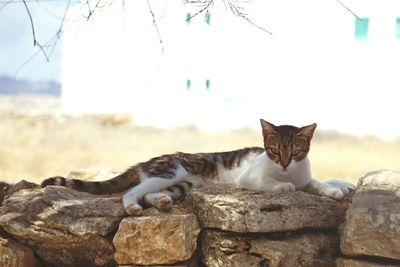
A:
(285, 164)
(285, 160)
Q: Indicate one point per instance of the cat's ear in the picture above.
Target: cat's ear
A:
(267, 128)
(307, 131)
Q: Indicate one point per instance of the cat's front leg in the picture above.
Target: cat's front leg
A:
(317, 187)
(345, 186)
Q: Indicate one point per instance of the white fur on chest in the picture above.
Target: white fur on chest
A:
(297, 173)
(259, 167)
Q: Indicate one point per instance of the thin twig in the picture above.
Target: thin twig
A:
(35, 42)
(156, 26)
(348, 9)
(90, 10)
(6, 3)
(234, 6)
(57, 35)
(26, 62)
(206, 5)
(238, 11)
(50, 44)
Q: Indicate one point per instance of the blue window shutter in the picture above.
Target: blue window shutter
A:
(398, 28)
(361, 28)
(188, 84)
(208, 18)
(208, 84)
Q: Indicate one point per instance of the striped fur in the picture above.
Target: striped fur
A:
(280, 166)
(117, 184)
(204, 165)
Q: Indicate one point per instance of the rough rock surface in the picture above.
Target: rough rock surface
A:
(345, 262)
(64, 227)
(372, 225)
(156, 238)
(13, 254)
(8, 189)
(294, 249)
(248, 211)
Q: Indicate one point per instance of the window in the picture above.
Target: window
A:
(398, 28)
(361, 28)
(208, 84)
(188, 84)
(208, 18)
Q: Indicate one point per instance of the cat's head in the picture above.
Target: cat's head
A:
(284, 144)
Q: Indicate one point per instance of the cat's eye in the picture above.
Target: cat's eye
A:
(274, 151)
(295, 153)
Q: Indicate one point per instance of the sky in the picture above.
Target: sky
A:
(16, 40)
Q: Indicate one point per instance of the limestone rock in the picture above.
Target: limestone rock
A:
(344, 262)
(248, 211)
(295, 249)
(4, 190)
(64, 227)
(156, 238)
(8, 189)
(372, 225)
(13, 254)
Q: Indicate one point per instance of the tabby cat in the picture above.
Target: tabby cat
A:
(281, 166)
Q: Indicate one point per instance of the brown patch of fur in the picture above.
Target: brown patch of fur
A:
(285, 143)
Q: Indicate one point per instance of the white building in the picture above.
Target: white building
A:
(321, 64)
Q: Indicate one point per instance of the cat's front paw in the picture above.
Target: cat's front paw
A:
(133, 209)
(284, 188)
(332, 192)
(345, 186)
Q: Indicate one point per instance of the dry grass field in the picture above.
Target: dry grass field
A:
(39, 145)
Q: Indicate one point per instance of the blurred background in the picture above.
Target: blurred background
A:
(110, 83)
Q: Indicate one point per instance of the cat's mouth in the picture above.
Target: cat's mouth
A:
(285, 167)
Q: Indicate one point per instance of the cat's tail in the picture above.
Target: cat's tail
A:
(117, 184)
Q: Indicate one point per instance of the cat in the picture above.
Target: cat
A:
(280, 166)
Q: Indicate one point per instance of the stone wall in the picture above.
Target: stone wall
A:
(214, 226)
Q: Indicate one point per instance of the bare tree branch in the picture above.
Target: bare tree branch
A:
(155, 26)
(49, 47)
(348, 9)
(35, 42)
(91, 11)
(99, 5)
(233, 5)
(203, 5)
(239, 11)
